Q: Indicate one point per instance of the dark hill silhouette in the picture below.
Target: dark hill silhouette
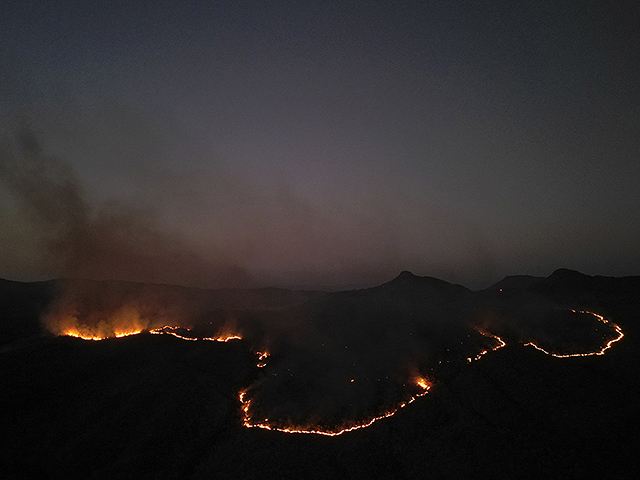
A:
(155, 406)
(20, 307)
(407, 281)
(515, 282)
(23, 305)
(572, 286)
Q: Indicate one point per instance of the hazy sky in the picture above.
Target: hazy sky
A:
(321, 143)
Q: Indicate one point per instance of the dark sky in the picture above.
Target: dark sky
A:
(330, 143)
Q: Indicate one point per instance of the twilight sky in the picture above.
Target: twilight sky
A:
(318, 143)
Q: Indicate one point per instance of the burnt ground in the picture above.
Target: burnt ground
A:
(157, 407)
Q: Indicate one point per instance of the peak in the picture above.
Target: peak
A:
(566, 273)
(406, 274)
(406, 277)
(408, 280)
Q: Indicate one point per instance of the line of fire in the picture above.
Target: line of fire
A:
(419, 385)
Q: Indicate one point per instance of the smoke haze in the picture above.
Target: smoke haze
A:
(334, 358)
(112, 241)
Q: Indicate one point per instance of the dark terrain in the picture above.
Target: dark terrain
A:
(154, 406)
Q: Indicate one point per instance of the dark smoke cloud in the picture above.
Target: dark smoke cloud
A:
(111, 241)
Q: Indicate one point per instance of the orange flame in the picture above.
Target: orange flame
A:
(606, 347)
(73, 332)
(262, 359)
(422, 382)
(124, 322)
(223, 338)
(171, 330)
(128, 322)
(603, 349)
(501, 343)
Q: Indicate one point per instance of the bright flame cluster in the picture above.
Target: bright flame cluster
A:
(121, 322)
(74, 332)
(423, 383)
(165, 330)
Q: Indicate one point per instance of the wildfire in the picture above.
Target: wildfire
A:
(262, 359)
(122, 322)
(606, 347)
(223, 338)
(422, 382)
(602, 351)
(171, 330)
(164, 330)
(74, 332)
(501, 343)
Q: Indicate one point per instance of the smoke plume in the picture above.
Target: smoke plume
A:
(112, 241)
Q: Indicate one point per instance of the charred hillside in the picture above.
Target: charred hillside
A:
(157, 406)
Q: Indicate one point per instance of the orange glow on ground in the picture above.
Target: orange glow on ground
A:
(171, 330)
(223, 338)
(122, 322)
(165, 330)
(422, 382)
(602, 351)
(501, 343)
(262, 359)
(606, 347)
(118, 334)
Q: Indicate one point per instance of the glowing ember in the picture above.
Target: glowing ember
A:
(262, 359)
(223, 338)
(606, 347)
(422, 382)
(181, 337)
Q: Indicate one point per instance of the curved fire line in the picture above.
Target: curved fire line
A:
(422, 382)
(501, 343)
(606, 347)
(246, 421)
